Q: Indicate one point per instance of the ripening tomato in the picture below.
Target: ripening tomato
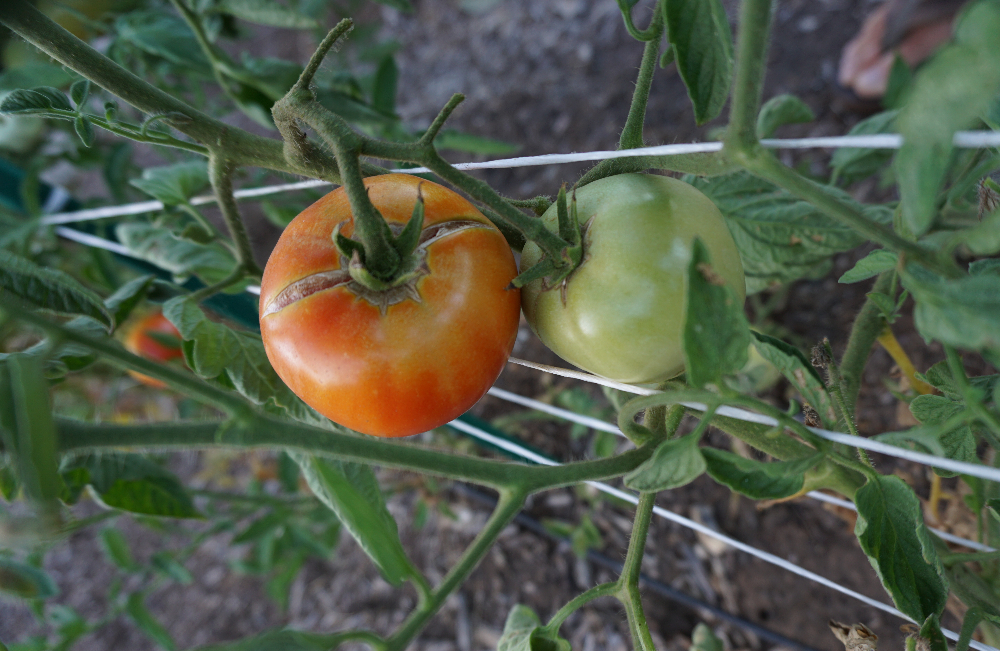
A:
(620, 314)
(155, 338)
(406, 360)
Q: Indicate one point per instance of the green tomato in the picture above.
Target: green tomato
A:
(621, 312)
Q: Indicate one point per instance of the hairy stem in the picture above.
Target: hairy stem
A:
(632, 133)
(33, 26)
(628, 582)
(866, 329)
(752, 42)
(220, 172)
(582, 599)
(507, 507)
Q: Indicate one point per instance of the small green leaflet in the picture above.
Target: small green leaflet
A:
(781, 110)
(147, 623)
(116, 548)
(893, 535)
(955, 87)
(674, 463)
(850, 163)
(41, 100)
(716, 331)
(352, 492)
(130, 482)
(958, 444)
(523, 632)
(871, 265)
(963, 312)
(703, 43)
(163, 35)
(49, 289)
(704, 639)
(25, 581)
(126, 297)
(756, 479)
(174, 184)
(162, 247)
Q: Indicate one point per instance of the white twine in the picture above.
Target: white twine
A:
(964, 139)
(700, 528)
(598, 424)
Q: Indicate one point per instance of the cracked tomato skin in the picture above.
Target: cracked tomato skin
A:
(623, 315)
(421, 363)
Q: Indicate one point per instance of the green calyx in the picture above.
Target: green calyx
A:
(380, 275)
(554, 272)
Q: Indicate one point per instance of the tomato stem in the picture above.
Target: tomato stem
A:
(628, 582)
(752, 41)
(631, 137)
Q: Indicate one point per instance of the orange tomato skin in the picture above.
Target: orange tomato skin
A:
(138, 342)
(419, 365)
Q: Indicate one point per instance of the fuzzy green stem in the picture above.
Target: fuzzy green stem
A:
(207, 47)
(628, 582)
(752, 43)
(864, 332)
(508, 506)
(598, 591)
(33, 26)
(631, 137)
(220, 173)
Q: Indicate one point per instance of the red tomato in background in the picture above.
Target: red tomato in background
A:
(139, 341)
(430, 354)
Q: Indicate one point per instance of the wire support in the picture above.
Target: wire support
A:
(598, 424)
(983, 472)
(767, 557)
(962, 139)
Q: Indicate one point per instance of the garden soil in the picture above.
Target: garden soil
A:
(554, 76)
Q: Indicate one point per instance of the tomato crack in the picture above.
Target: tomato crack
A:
(382, 299)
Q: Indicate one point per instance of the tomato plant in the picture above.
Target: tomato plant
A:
(407, 359)
(155, 338)
(620, 314)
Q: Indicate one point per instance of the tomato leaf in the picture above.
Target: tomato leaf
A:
(174, 184)
(781, 110)
(674, 463)
(780, 238)
(854, 163)
(756, 479)
(703, 44)
(167, 565)
(384, 85)
(85, 130)
(459, 141)
(893, 535)
(126, 297)
(351, 491)
(131, 482)
(116, 548)
(523, 632)
(25, 581)
(147, 623)
(799, 371)
(959, 443)
(34, 101)
(165, 249)
(49, 289)
(233, 359)
(163, 35)
(703, 638)
(963, 312)
(716, 331)
(949, 93)
(65, 356)
(266, 12)
(932, 636)
(871, 265)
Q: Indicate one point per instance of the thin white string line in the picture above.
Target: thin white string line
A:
(697, 526)
(983, 472)
(965, 139)
(603, 426)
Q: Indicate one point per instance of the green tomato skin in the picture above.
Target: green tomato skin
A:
(623, 315)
